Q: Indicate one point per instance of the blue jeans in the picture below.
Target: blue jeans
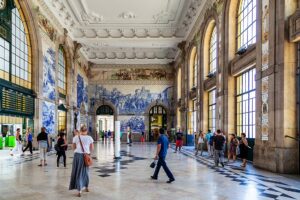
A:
(161, 162)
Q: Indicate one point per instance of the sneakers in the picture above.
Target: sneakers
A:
(170, 181)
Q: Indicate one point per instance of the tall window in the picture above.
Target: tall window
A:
(195, 67)
(193, 117)
(179, 84)
(62, 86)
(213, 51)
(212, 110)
(246, 23)
(15, 51)
(245, 101)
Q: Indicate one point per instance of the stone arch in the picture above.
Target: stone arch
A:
(210, 21)
(230, 16)
(147, 115)
(193, 52)
(93, 114)
(35, 41)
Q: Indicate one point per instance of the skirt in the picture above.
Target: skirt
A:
(80, 173)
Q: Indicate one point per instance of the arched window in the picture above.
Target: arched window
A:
(62, 85)
(213, 51)
(15, 48)
(193, 68)
(179, 83)
(246, 21)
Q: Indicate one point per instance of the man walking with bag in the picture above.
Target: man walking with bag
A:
(161, 153)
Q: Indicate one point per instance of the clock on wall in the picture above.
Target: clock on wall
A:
(2, 4)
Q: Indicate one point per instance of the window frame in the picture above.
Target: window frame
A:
(18, 49)
(214, 45)
(245, 111)
(212, 108)
(252, 25)
(62, 67)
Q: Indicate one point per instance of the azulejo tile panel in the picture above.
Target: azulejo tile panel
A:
(135, 123)
(134, 100)
(82, 94)
(49, 74)
(48, 116)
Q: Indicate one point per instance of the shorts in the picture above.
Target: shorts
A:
(179, 143)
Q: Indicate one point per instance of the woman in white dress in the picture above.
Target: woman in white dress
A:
(80, 172)
(18, 148)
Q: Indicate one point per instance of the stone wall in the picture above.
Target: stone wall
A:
(131, 90)
(273, 57)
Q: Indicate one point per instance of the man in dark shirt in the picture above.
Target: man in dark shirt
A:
(218, 143)
(161, 153)
(179, 140)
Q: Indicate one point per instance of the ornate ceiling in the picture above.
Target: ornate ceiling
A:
(127, 31)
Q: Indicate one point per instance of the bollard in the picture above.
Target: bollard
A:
(117, 140)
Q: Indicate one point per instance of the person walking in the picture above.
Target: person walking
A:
(80, 172)
(43, 141)
(18, 148)
(161, 153)
(200, 143)
(62, 147)
(233, 144)
(142, 137)
(244, 149)
(29, 141)
(207, 139)
(179, 141)
(218, 144)
(211, 143)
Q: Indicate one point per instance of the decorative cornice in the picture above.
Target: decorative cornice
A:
(50, 16)
(130, 82)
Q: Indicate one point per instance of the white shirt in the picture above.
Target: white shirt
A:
(86, 141)
(200, 140)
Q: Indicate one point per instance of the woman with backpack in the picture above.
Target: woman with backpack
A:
(61, 147)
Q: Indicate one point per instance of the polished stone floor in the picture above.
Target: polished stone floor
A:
(129, 178)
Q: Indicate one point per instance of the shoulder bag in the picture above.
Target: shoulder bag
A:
(88, 161)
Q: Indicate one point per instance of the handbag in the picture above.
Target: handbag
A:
(88, 161)
(153, 164)
(237, 151)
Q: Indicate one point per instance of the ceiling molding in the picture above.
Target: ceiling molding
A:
(116, 24)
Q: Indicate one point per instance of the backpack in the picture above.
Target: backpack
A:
(211, 140)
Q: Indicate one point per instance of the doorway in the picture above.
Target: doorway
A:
(105, 122)
(157, 120)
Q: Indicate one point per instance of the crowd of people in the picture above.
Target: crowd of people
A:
(217, 144)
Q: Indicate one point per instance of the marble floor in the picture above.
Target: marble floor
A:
(129, 178)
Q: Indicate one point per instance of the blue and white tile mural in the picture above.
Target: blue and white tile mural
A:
(135, 123)
(133, 103)
(49, 74)
(48, 116)
(82, 92)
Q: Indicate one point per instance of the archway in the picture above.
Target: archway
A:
(105, 122)
(157, 120)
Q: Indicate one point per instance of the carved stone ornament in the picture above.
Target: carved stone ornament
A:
(294, 27)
